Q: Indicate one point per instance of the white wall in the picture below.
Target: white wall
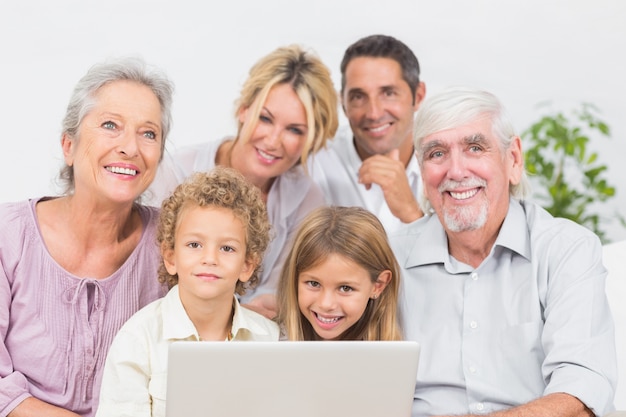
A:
(567, 51)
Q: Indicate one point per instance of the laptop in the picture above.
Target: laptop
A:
(291, 379)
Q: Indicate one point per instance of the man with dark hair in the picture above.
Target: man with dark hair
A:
(372, 164)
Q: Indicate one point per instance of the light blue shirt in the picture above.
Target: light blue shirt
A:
(531, 320)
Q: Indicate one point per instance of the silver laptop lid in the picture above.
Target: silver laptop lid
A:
(291, 379)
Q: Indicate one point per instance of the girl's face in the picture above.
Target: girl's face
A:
(209, 254)
(277, 140)
(334, 294)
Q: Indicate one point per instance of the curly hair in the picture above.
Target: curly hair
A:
(225, 188)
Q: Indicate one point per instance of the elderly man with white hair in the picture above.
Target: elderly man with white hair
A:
(507, 301)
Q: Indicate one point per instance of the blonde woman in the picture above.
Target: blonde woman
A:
(286, 111)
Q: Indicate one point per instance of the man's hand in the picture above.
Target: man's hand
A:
(390, 174)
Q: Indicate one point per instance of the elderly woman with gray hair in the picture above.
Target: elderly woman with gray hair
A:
(74, 268)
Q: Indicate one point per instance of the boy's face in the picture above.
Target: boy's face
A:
(209, 254)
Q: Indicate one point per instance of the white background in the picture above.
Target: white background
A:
(526, 52)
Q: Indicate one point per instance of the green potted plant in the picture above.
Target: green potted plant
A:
(568, 180)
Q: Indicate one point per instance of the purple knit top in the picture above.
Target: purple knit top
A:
(55, 327)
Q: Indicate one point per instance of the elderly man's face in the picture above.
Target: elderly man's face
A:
(466, 176)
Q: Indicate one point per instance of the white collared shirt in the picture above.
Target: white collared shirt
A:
(336, 171)
(135, 373)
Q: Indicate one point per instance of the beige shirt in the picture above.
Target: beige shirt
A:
(135, 373)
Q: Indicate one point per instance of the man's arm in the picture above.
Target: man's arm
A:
(390, 174)
(552, 405)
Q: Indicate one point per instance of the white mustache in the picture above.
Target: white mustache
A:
(451, 185)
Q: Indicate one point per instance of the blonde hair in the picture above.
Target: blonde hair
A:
(220, 187)
(310, 80)
(358, 235)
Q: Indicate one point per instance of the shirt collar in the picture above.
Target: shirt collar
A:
(435, 250)
(176, 323)
(243, 319)
(178, 326)
(353, 158)
(513, 235)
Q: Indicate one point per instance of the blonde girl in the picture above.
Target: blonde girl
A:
(340, 280)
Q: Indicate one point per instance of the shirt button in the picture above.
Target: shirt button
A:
(472, 370)
(480, 406)
(474, 276)
(473, 325)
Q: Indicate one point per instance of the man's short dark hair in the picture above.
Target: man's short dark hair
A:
(383, 46)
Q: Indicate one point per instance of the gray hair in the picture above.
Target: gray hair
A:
(118, 69)
(458, 106)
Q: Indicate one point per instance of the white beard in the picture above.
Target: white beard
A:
(465, 218)
(462, 219)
